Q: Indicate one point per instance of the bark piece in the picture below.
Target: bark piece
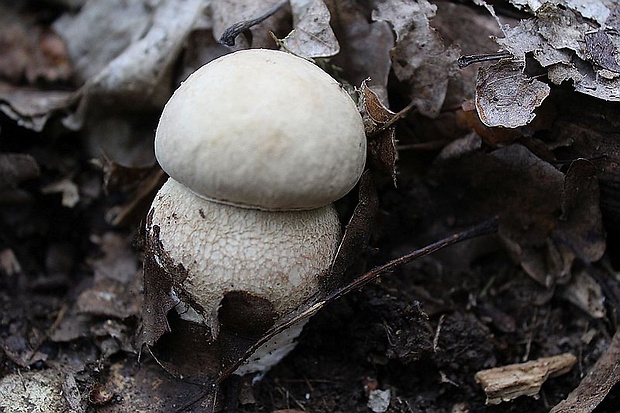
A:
(509, 382)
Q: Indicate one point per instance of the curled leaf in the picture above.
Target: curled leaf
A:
(379, 123)
(312, 35)
(506, 97)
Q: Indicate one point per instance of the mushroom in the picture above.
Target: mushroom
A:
(258, 145)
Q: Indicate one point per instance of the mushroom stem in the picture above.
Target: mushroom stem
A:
(270, 256)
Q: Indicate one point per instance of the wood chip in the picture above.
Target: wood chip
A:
(509, 382)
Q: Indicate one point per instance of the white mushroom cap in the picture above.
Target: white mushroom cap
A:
(276, 256)
(262, 129)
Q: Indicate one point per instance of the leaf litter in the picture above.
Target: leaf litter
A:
(78, 173)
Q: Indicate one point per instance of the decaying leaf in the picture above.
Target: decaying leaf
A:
(43, 389)
(468, 118)
(312, 35)
(16, 168)
(33, 108)
(346, 264)
(574, 42)
(524, 379)
(506, 97)
(364, 45)
(379, 123)
(127, 382)
(30, 51)
(581, 224)
(527, 195)
(584, 292)
(419, 57)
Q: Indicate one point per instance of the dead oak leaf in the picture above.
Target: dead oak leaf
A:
(380, 130)
(570, 42)
(312, 35)
(16, 168)
(364, 45)
(529, 196)
(506, 97)
(419, 57)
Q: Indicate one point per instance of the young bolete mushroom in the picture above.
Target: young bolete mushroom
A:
(258, 145)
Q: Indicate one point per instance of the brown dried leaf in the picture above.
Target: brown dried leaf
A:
(356, 235)
(30, 52)
(142, 387)
(364, 45)
(312, 35)
(581, 224)
(468, 118)
(158, 283)
(16, 168)
(419, 57)
(380, 131)
(506, 97)
(526, 193)
(584, 292)
(33, 108)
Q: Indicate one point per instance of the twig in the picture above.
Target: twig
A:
(230, 34)
(465, 61)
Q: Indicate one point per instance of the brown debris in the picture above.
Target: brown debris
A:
(506, 383)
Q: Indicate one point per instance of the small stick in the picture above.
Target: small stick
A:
(230, 34)
(465, 61)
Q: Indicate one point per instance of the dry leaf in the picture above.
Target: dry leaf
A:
(506, 97)
(584, 292)
(364, 45)
(33, 108)
(16, 168)
(43, 389)
(346, 263)
(527, 194)
(380, 131)
(30, 51)
(567, 40)
(419, 58)
(312, 36)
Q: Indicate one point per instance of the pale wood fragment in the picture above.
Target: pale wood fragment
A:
(524, 379)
